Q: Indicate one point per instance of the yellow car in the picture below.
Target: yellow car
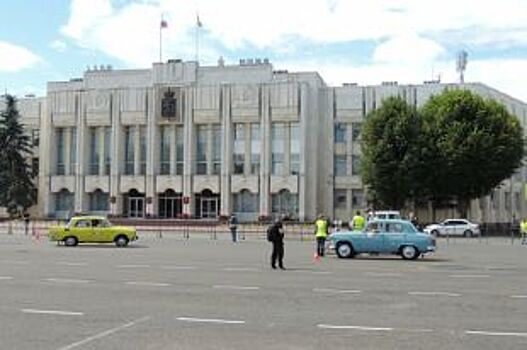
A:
(92, 229)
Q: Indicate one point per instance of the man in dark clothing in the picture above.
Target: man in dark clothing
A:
(276, 236)
(233, 226)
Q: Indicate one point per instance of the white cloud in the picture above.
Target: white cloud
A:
(58, 45)
(15, 58)
(407, 48)
(501, 74)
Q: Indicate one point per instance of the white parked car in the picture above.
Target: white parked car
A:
(453, 227)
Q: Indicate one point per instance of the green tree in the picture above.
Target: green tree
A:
(391, 147)
(474, 144)
(17, 190)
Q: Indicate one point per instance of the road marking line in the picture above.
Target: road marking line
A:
(5, 278)
(65, 263)
(336, 291)
(235, 287)
(16, 262)
(469, 276)
(209, 320)
(52, 312)
(131, 266)
(240, 269)
(179, 267)
(360, 328)
(447, 294)
(105, 333)
(150, 284)
(509, 334)
(519, 296)
(383, 274)
(66, 280)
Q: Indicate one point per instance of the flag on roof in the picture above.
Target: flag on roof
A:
(163, 24)
(198, 22)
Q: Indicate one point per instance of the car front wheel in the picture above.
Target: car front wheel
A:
(435, 233)
(409, 252)
(468, 233)
(344, 250)
(121, 241)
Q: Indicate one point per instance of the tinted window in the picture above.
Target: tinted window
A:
(83, 223)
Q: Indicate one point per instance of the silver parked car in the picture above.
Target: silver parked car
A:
(453, 227)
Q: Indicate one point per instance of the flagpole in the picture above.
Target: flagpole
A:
(197, 39)
(161, 40)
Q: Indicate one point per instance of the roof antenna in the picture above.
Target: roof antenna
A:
(461, 65)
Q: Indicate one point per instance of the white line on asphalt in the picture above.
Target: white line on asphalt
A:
(105, 333)
(504, 334)
(240, 269)
(16, 262)
(383, 274)
(446, 294)
(235, 287)
(52, 312)
(131, 266)
(360, 328)
(66, 280)
(5, 278)
(150, 284)
(469, 276)
(66, 263)
(519, 296)
(209, 320)
(336, 291)
(179, 267)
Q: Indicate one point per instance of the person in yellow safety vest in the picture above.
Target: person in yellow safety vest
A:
(321, 233)
(523, 229)
(358, 222)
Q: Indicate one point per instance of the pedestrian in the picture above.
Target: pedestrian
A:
(321, 233)
(358, 222)
(415, 222)
(275, 235)
(523, 229)
(233, 226)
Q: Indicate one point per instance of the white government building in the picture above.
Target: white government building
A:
(182, 140)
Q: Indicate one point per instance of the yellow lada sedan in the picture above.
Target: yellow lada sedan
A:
(92, 229)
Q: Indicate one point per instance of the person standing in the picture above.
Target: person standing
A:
(233, 226)
(275, 235)
(523, 229)
(321, 233)
(358, 222)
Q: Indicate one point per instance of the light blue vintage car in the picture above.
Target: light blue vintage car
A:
(383, 236)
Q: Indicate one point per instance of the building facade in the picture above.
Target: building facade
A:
(181, 140)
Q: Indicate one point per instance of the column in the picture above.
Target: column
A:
(152, 153)
(67, 151)
(226, 141)
(306, 135)
(137, 149)
(100, 147)
(173, 150)
(116, 167)
(82, 153)
(247, 149)
(265, 128)
(190, 142)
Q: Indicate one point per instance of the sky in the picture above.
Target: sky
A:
(346, 41)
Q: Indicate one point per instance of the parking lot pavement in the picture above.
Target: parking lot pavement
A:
(171, 293)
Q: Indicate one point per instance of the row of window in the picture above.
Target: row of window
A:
(285, 144)
(170, 204)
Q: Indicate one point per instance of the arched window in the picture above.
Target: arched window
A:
(134, 204)
(284, 203)
(245, 202)
(170, 204)
(207, 204)
(64, 201)
(98, 201)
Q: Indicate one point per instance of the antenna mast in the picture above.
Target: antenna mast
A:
(461, 65)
